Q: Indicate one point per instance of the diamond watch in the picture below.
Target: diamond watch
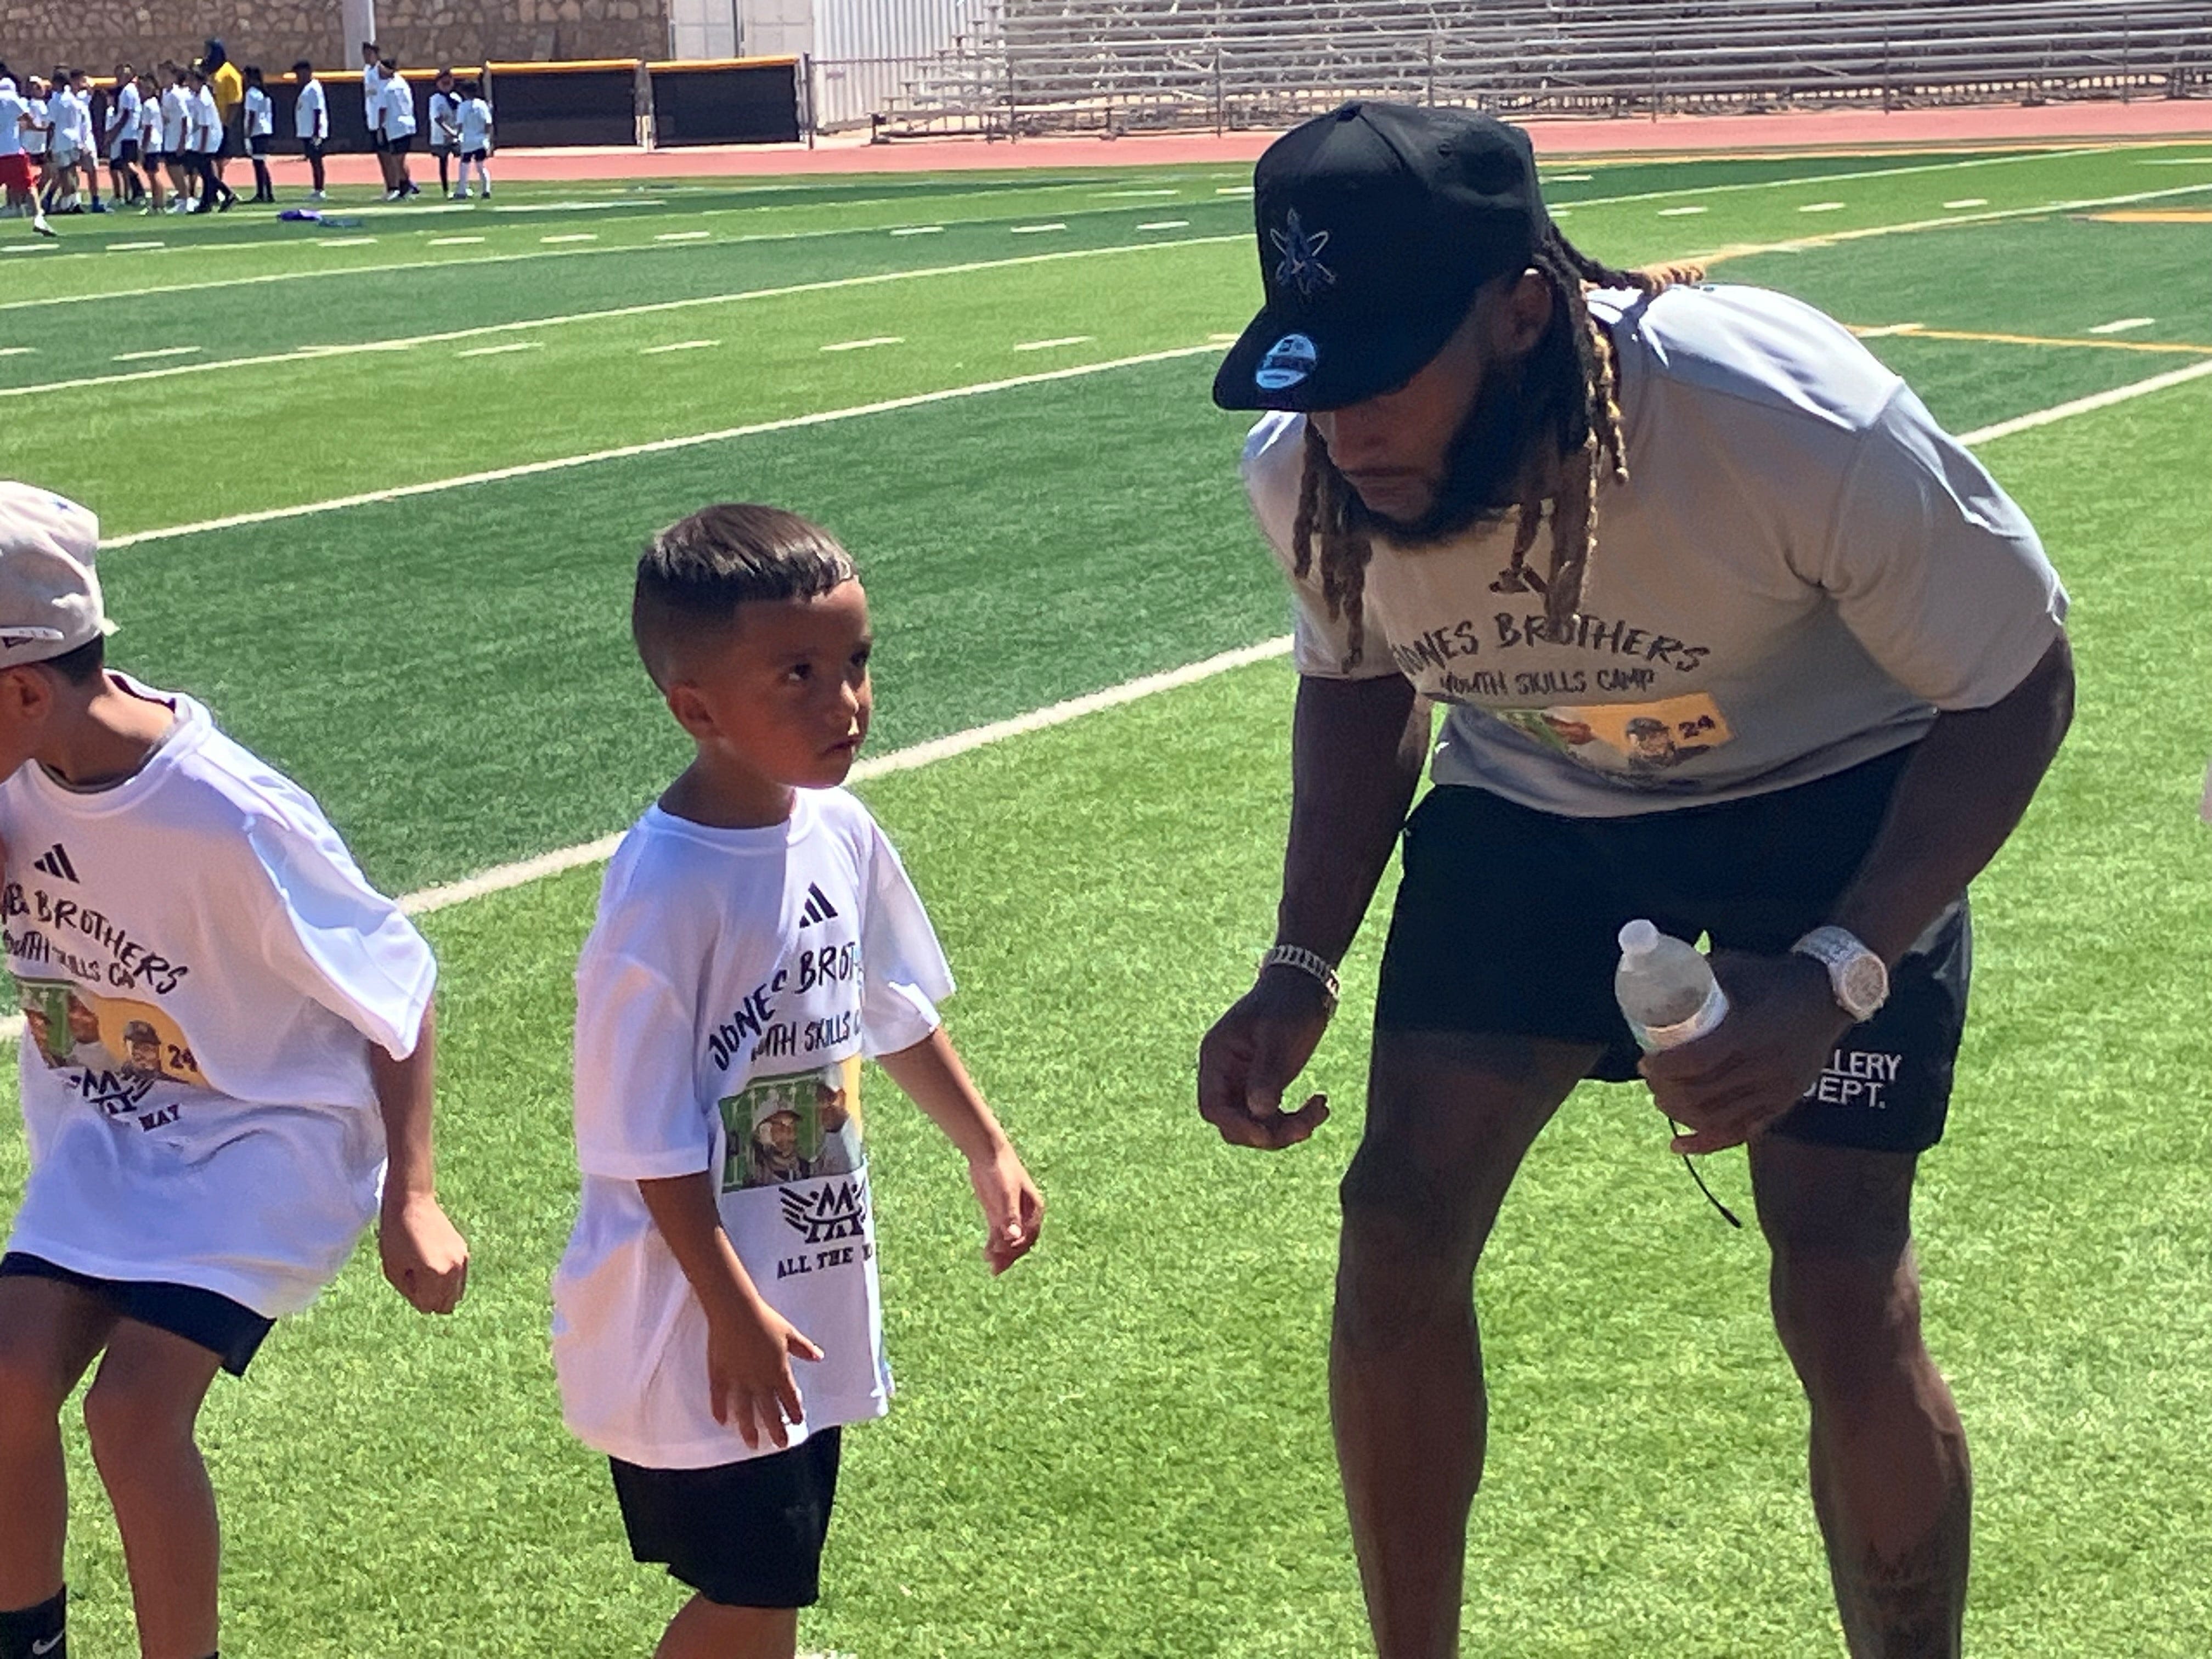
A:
(1856, 975)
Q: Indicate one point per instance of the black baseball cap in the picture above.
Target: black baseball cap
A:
(1376, 224)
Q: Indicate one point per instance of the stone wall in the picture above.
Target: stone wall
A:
(97, 34)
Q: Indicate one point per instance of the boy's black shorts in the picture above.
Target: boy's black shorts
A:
(746, 1534)
(258, 144)
(399, 142)
(1507, 922)
(230, 1330)
(126, 151)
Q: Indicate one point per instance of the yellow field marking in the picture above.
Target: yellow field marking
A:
(2157, 216)
(1915, 331)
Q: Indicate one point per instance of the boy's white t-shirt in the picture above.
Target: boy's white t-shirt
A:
(201, 966)
(732, 983)
(443, 105)
(371, 93)
(207, 121)
(398, 102)
(310, 116)
(150, 125)
(475, 119)
(176, 118)
(12, 110)
(36, 135)
(260, 113)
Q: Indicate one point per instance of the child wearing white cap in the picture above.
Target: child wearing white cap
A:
(225, 1075)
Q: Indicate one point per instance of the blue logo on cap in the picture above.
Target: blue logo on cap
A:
(1288, 361)
(1301, 268)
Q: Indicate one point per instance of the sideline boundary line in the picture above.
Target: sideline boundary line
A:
(653, 446)
(501, 877)
(1803, 244)
(649, 308)
(800, 235)
(2095, 400)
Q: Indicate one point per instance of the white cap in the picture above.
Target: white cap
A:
(50, 602)
(1637, 938)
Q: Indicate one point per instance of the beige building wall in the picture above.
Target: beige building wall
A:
(97, 34)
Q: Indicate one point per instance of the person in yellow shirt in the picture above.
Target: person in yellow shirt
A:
(229, 89)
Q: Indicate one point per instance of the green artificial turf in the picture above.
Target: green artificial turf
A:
(1121, 1449)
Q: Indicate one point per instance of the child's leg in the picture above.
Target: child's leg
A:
(706, 1630)
(263, 189)
(49, 1332)
(315, 163)
(445, 161)
(140, 1411)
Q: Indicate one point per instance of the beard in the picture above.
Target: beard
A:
(1487, 464)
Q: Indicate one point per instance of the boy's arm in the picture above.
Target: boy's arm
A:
(749, 1345)
(425, 1256)
(934, 1079)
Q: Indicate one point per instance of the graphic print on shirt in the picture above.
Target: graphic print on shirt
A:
(127, 1055)
(1640, 739)
(794, 1127)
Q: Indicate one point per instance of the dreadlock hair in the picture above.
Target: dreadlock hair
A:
(1583, 411)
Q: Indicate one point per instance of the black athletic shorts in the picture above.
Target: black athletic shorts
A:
(1507, 922)
(258, 144)
(126, 151)
(399, 143)
(230, 1330)
(746, 1534)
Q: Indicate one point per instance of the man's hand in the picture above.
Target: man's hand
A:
(1782, 1026)
(425, 1256)
(749, 1355)
(1013, 1209)
(1255, 1052)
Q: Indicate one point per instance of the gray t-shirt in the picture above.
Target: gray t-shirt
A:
(1801, 569)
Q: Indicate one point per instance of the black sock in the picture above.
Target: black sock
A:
(36, 1632)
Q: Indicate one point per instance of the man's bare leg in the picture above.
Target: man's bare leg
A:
(1449, 1120)
(1891, 1483)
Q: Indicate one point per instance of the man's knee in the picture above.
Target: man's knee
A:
(1410, 1242)
(1851, 1323)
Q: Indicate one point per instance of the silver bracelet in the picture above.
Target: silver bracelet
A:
(1306, 961)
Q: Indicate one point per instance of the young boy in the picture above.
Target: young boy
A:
(474, 120)
(756, 935)
(396, 102)
(445, 128)
(17, 181)
(311, 123)
(121, 133)
(225, 1075)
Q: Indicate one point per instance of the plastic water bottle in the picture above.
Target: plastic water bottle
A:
(1666, 989)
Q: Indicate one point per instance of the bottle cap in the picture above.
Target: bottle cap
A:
(1638, 939)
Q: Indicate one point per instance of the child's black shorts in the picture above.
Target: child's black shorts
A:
(1507, 922)
(126, 151)
(399, 142)
(746, 1534)
(474, 154)
(258, 144)
(230, 1330)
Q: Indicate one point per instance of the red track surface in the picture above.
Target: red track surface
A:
(1838, 129)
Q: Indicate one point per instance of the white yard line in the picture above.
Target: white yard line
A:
(1050, 345)
(2084, 406)
(1823, 207)
(1166, 224)
(918, 230)
(685, 236)
(2121, 325)
(502, 877)
(650, 309)
(863, 345)
(495, 350)
(655, 447)
(452, 242)
(1033, 230)
(678, 345)
(1828, 239)
(135, 357)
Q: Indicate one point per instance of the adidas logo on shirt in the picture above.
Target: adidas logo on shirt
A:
(819, 909)
(55, 861)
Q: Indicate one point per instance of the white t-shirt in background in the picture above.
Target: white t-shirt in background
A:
(311, 116)
(37, 135)
(732, 983)
(260, 113)
(1802, 568)
(206, 121)
(149, 125)
(12, 111)
(202, 967)
(176, 118)
(443, 107)
(122, 118)
(475, 119)
(397, 103)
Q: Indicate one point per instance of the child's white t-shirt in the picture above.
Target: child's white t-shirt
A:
(476, 124)
(176, 118)
(732, 983)
(442, 105)
(310, 119)
(150, 125)
(398, 104)
(207, 121)
(41, 127)
(201, 966)
(260, 113)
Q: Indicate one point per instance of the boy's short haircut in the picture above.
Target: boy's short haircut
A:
(81, 665)
(303, 68)
(694, 575)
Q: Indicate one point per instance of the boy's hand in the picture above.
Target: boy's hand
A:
(749, 1373)
(425, 1256)
(1013, 1209)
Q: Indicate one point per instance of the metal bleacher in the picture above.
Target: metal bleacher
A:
(1039, 66)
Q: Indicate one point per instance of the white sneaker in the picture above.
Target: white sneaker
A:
(392, 195)
(319, 196)
(38, 224)
(461, 196)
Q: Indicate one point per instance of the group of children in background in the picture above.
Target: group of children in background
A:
(179, 126)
